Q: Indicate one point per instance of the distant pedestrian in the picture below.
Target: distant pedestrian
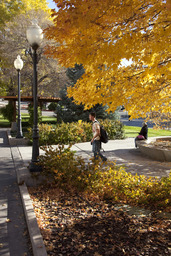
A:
(95, 142)
(143, 134)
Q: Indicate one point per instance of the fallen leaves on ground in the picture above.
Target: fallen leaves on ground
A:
(162, 143)
(74, 225)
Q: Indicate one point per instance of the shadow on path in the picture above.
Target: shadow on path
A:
(14, 239)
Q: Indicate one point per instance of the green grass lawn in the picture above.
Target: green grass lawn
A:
(25, 118)
(4, 122)
(132, 131)
(48, 119)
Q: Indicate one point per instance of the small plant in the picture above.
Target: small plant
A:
(69, 171)
(52, 106)
(66, 133)
(31, 113)
(62, 167)
(8, 112)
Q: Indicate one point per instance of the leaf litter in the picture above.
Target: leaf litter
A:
(75, 224)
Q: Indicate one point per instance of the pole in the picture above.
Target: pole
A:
(19, 126)
(35, 149)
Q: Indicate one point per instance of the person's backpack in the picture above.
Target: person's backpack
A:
(103, 135)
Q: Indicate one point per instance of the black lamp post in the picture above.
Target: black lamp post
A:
(34, 37)
(18, 64)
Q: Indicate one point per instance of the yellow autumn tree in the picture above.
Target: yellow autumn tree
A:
(36, 5)
(15, 18)
(10, 8)
(104, 36)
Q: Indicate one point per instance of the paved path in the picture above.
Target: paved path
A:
(123, 152)
(14, 240)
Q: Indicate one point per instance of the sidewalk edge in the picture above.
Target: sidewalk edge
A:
(36, 239)
(34, 231)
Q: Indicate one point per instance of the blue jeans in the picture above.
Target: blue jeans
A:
(96, 146)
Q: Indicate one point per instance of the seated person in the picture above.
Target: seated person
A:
(142, 134)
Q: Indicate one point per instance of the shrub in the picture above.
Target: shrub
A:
(114, 129)
(52, 106)
(31, 113)
(66, 133)
(119, 185)
(63, 168)
(8, 112)
(109, 183)
(45, 134)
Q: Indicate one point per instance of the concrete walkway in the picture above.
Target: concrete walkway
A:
(14, 238)
(123, 152)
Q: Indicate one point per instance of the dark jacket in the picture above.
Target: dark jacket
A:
(144, 131)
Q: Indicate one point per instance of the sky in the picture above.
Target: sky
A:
(51, 4)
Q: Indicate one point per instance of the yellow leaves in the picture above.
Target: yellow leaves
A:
(99, 35)
(37, 5)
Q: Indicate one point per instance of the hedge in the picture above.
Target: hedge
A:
(66, 133)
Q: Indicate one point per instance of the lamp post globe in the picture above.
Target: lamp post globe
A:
(35, 36)
(18, 64)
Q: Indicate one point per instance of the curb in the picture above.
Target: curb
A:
(15, 141)
(34, 232)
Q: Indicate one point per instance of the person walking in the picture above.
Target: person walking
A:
(95, 141)
(143, 134)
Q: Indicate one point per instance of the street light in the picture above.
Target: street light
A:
(18, 64)
(34, 37)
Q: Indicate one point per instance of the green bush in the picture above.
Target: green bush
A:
(62, 167)
(66, 133)
(8, 112)
(108, 182)
(52, 106)
(114, 129)
(45, 134)
(31, 113)
(121, 186)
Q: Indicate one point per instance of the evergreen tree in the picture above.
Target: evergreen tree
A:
(75, 73)
(67, 110)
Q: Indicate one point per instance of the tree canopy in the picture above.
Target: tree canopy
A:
(10, 8)
(13, 42)
(103, 36)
